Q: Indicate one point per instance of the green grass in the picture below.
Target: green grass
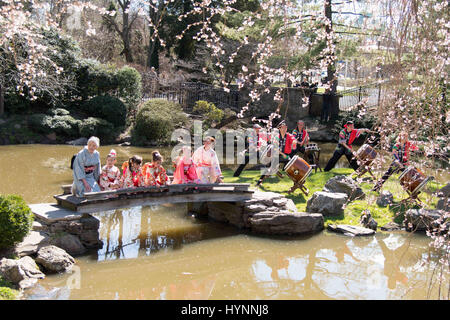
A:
(352, 211)
(6, 290)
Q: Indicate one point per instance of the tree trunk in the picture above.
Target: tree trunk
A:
(331, 69)
(153, 46)
(126, 35)
(127, 48)
(2, 101)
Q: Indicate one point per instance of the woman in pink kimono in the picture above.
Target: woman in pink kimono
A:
(206, 162)
(185, 169)
(154, 173)
(110, 176)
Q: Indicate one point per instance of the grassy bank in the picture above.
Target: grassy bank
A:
(352, 212)
(6, 290)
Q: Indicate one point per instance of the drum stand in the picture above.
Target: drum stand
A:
(278, 174)
(300, 186)
(315, 154)
(360, 172)
(413, 196)
(362, 169)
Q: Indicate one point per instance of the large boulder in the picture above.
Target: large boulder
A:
(443, 204)
(31, 243)
(444, 191)
(326, 203)
(55, 259)
(266, 198)
(83, 234)
(23, 272)
(344, 184)
(427, 219)
(70, 243)
(444, 198)
(286, 223)
(226, 212)
(391, 226)
(321, 135)
(385, 198)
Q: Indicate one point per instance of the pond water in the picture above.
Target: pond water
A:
(161, 252)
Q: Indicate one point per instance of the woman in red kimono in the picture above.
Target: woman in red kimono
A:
(154, 173)
(132, 173)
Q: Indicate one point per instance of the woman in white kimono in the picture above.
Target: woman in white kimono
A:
(206, 162)
(87, 169)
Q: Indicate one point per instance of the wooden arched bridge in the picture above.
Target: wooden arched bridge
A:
(144, 196)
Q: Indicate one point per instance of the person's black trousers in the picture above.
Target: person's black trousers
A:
(393, 168)
(281, 160)
(338, 153)
(239, 170)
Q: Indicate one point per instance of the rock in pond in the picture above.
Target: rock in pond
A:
(55, 259)
(78, 142)
(31, 243)
(286, 223)
(391, 226)
(23, 272)
(426, 219)
(70, 243)
(349, 230)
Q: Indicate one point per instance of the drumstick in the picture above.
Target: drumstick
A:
(299, 142)
(284, 154)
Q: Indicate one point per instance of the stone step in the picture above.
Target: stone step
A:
(51, 212)
(349, 230)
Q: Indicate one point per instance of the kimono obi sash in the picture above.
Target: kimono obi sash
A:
(204, 164)
(89, 169)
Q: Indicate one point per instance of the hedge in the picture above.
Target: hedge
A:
(107, 107)
(156, 120)
(16, 220)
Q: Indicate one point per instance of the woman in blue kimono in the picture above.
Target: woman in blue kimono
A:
(87, 169)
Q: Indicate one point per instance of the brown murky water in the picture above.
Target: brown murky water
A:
(161, 252)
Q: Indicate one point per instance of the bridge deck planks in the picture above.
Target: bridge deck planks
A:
(123, 198)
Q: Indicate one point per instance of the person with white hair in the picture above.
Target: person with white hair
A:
(87, 169)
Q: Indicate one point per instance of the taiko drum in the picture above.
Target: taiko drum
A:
(366, 154)
(412, 180)
(298, 169)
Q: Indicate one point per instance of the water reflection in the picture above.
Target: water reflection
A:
(378, 267)
(130, 233)
(326, 266)
(161, 252)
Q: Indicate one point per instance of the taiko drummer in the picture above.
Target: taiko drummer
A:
(400, 154)
(344, 147)
(285, 142)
